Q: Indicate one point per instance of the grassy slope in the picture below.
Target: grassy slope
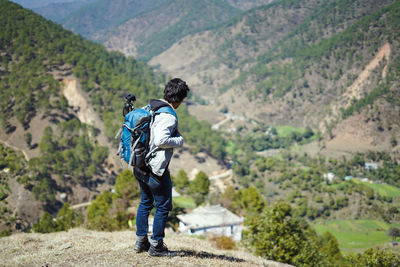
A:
(80, 247)
(285, 130)
(354, 235)
(383, 189)
(185, 202)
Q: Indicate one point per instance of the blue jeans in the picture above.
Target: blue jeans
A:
(161, 197)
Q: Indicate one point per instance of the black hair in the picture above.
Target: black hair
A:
(176, 90)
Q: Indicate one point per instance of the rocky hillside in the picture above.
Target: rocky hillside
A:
(79, 247)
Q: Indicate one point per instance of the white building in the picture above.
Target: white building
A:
(329, 176)
(365, 180)
(211, 219)
(371, 166)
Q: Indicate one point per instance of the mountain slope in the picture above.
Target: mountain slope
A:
(291, 62)
(288, 62)
(248, 4)
(39, 3)
(95, 19)
(244, 39)
(152, 32)
(240, 39)
(58, 11)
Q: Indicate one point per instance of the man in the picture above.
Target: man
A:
(164, 136)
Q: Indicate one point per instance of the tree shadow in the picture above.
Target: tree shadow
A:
(206, 255)
(10, 129)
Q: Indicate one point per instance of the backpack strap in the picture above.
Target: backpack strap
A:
(166, 109)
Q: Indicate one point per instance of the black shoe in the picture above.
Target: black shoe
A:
(160, 250)
(142, 244)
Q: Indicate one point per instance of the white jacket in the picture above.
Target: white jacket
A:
(164, 137)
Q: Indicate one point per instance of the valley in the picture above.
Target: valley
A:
(293, 109)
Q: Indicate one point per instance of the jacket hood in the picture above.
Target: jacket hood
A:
(158, 103)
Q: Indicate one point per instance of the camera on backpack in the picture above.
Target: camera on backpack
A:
(128, 106)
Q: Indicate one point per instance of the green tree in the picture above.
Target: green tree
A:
(181, 181)
(28, 139)
(199, 187)
(126, 186)
(330, 247)
(63, 103)
(278, 235)
(67, 218)
(47, 145)
(228, 198)
(98, 215)
(375, 258)
(394, 233)
(46, 225)
(308, 133)
(249, 201)
(370, 194)
(393, 141)
(260, 163)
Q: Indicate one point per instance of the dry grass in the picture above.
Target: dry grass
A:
(81, 247)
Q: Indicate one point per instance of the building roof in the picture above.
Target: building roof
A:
(209, 216)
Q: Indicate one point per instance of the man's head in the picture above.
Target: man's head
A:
(175, 92)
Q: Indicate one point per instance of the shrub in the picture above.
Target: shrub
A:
(101, 215)
(222, 242)
(46, 224)
(280, 236)
(375, 258)
(66, 218)
(126, 186)
(181, 181)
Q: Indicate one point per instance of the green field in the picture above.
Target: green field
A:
(383, 189)
(284, 131)
(356, 235)
(232, 149)
(185, 202)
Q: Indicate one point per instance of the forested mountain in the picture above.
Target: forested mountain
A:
(150, 33)
(300, 63)
(39, 3)
(96, 19)
(58, 11)
(64, 153)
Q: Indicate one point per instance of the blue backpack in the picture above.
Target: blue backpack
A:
(135, 135)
